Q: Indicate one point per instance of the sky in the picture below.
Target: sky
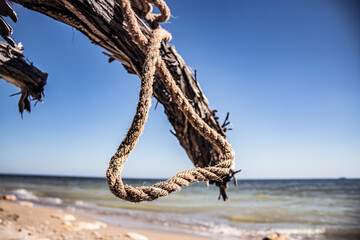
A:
(287, 71)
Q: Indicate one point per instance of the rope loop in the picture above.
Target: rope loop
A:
(221, 173)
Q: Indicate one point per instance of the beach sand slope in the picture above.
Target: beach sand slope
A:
(22, 220)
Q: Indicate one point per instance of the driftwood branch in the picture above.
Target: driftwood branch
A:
(102, 22)
(15, 70)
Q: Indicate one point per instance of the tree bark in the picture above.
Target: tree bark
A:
(102, 22)
(15, 70)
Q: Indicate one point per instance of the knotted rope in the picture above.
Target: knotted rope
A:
(154, 64)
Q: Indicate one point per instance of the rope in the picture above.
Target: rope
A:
(154, 64)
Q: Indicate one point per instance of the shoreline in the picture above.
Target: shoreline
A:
(23, 220)
(298, 209)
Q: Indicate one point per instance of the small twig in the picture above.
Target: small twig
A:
(227, 129)
(234, 177)
(29, 62)
(225, 123)
(15, 94)
(172, 132)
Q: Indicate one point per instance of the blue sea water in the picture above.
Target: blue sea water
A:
(304, 209)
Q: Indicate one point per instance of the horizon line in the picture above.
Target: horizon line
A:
(159, 178)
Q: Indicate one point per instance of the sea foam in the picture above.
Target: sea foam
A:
(24, 194)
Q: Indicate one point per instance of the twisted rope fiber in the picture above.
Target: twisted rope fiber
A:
(154, 63)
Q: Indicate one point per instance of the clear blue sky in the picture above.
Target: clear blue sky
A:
(287, 71)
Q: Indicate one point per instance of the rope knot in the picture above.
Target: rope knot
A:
(143, 8)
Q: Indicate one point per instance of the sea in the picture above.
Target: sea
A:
(314, 209)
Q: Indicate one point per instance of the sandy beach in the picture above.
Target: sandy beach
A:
(22, 220)
(48, 207)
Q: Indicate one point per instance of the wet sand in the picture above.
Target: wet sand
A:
(22, 220)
